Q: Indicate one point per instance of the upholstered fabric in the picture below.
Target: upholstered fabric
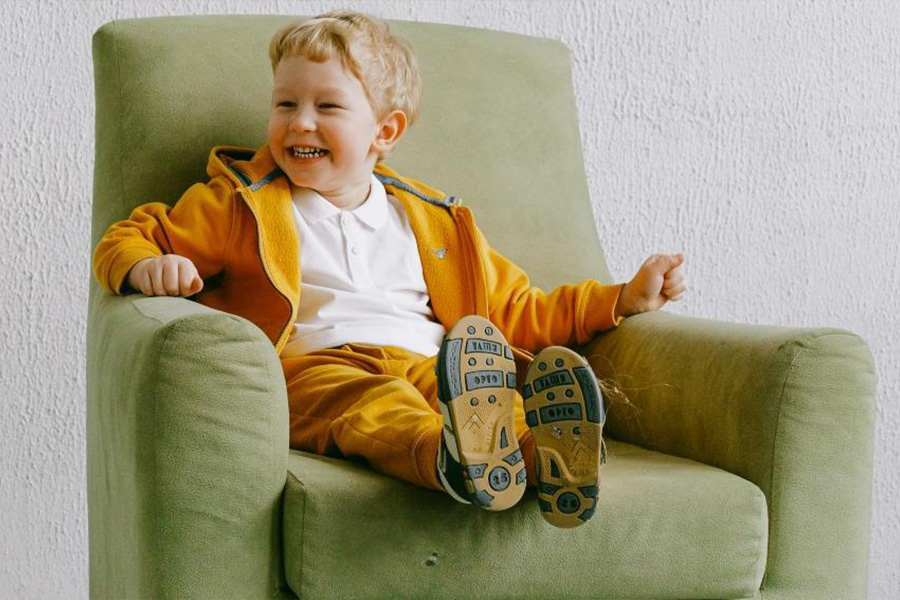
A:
(187, 451)
(790, 409)
(665, 527)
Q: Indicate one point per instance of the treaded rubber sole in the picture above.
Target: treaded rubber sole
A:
(564, 410)
(479, 453)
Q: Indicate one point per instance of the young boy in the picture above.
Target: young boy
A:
(402, 341)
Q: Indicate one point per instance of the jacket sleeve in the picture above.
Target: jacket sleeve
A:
(198, 227)
(530, 319)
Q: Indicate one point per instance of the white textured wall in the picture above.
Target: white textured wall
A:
(762, 139)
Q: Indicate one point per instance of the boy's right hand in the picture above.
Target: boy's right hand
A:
(167, 275)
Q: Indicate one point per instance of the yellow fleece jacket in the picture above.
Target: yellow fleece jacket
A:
(238, 229)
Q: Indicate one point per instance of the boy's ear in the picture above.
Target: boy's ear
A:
(390, 131)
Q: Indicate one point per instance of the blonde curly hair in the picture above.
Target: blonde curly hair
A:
(383, 63)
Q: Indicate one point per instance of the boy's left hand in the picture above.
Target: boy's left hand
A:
(657, 281)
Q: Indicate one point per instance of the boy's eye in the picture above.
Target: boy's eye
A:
(326, 105)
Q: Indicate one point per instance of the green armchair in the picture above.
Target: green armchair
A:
(741, 469)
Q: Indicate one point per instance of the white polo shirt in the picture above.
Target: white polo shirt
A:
(361, 277)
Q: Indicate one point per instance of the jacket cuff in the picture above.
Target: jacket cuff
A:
(123, 262)
(599, 309)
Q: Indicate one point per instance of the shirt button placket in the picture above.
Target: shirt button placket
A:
(344, 220)
(356, 266)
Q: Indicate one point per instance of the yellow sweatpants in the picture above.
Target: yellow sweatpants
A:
(378, 403)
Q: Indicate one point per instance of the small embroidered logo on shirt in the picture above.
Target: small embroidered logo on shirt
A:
(441, 252)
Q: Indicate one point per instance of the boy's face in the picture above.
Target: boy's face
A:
(324, 106)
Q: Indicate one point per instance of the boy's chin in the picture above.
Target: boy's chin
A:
(301, 175)
(306, 182)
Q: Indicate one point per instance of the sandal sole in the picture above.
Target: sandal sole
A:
(476, 376)
(564, 410)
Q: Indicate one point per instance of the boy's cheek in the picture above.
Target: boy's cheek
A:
(274, 131)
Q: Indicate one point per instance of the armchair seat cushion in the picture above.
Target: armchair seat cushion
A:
(665, 527)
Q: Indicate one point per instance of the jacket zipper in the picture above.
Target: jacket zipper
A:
(470, 263)
(474, 272)
(266, 271)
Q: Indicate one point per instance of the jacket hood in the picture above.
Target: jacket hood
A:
(246, 167)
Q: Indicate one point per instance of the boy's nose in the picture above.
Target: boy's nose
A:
(304, 121)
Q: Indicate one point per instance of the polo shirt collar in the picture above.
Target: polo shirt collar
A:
(314, 207)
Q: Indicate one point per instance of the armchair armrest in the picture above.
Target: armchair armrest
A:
(187, 446)
(790, 409)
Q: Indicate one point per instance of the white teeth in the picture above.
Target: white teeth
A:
(308, 152)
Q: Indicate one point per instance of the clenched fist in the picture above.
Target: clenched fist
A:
(167, 275)
(657, 281)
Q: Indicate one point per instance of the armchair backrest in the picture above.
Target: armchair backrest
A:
(498, 126)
